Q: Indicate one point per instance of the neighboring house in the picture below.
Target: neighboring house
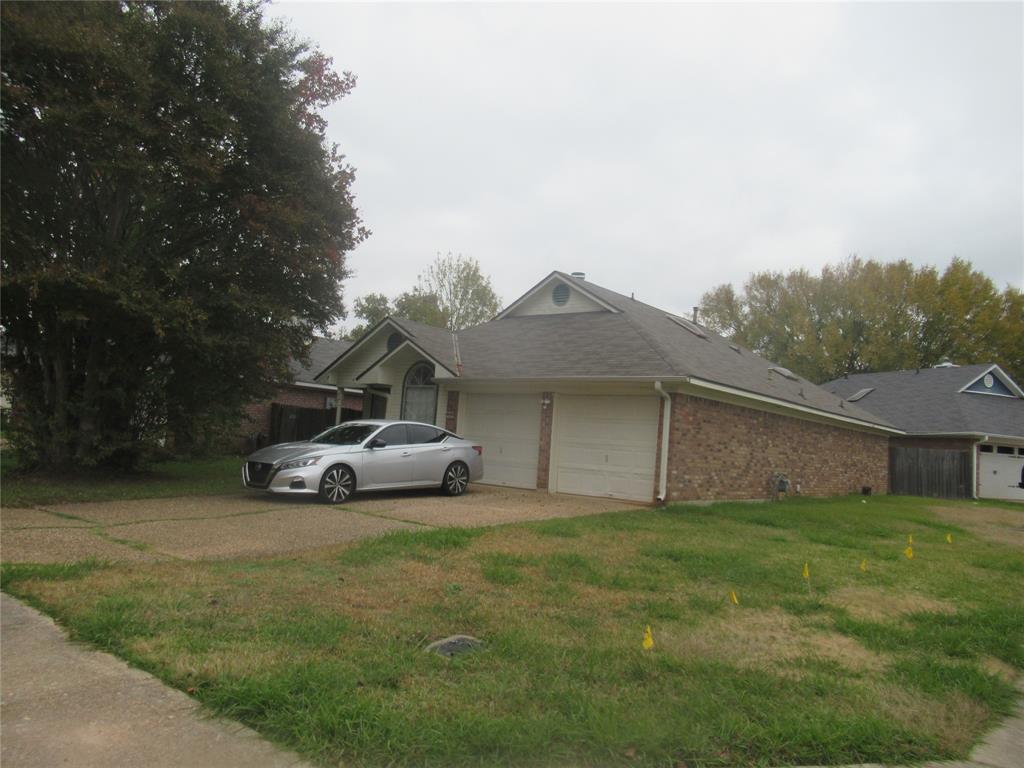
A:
(303, 393)
(964, 428)
(577, 389)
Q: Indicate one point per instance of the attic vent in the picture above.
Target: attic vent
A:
(693, 328)
(859, 394)
(784, 372)
(394, 340)
(560, 295)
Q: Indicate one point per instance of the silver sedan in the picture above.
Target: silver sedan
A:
(370, 455)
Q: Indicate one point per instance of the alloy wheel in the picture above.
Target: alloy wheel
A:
(457, 479)
(337, 484)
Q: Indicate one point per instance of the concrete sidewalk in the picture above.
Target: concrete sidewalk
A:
(66, 705)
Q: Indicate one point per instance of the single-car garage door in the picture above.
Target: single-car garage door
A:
(605, 446)
(1000, 472)
(508, 427)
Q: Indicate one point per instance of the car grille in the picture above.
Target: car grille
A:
(257, 473)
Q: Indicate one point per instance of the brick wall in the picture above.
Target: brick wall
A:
(724, 451)
(451, 412)
(544, 451)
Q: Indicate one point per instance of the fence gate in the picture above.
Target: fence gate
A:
(289, 423)
(930, 472)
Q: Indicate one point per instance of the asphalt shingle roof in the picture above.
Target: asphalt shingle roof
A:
(929, 401)
(322, 352)
(638, 340)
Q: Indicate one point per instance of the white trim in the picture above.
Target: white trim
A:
(388, 355)
(572, 282)
(359, 342)
(700, 383)
(319, 387)
(1009, 383)
(983, 437)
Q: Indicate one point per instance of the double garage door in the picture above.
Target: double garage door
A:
(1000, 473)
(601, 445)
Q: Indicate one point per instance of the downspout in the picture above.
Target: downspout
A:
(666, 417)
(974, 466)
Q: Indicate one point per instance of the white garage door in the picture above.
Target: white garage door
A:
(606, 446)
(999, 474)
(508, 427)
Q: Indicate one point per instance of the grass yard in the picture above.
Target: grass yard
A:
(193, 477)
(907, 659)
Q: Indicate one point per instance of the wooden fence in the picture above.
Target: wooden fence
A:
(930, 472)
(289, 423)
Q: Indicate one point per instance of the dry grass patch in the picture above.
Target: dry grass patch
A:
(1002, 526)
(949, 719)
(878, 604)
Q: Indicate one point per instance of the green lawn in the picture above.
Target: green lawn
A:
(905, 660)
(194, 477)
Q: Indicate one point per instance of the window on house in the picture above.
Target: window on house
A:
(986, 449)
(419, 395)
(1006, 450)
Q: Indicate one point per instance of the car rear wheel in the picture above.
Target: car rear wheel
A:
(337, 484)
(456, 479)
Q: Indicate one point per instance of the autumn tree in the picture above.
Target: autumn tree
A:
(174, 223)
(868, 316)
(452, 293)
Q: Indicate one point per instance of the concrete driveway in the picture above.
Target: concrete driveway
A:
(255, 524)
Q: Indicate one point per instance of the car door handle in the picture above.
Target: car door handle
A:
(406, 453)
(446, 448)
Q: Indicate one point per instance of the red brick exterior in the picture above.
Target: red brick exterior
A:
(257, 415)
(724, 451)
(451, 412)
(544, 452)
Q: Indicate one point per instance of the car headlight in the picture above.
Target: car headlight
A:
(299, 463)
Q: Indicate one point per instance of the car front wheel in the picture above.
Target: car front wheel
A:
(337, 484)
(456, 479)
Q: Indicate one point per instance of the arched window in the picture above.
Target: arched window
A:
(419, 395)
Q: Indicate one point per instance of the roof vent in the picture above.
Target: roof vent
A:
(560, 295)
(860, 393)
(580, 275)
(784, 372)
(735, 348)
(693, 328)
(947, 363)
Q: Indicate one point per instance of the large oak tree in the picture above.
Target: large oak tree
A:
(174, 223)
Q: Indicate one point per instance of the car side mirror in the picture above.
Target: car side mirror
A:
(376, 443)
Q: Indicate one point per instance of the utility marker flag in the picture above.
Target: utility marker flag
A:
(910, 539)
(732, 596)
(807, 571)
(949, 538)
(909, 552)
(864, 566)
(648, 640)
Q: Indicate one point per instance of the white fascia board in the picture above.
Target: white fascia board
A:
(702, 384)
(366, 336)
(406, 343)
(981, 437)
(1003, 377)
(568, 279)
(306, 385)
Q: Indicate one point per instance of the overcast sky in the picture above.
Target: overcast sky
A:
(665, 149)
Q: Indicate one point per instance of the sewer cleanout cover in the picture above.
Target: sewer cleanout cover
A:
(454, 645)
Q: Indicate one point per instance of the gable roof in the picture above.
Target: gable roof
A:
(438, 344)
(633, 340)
(321, 352)
(931, 401)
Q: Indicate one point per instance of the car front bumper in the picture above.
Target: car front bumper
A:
(304, 480)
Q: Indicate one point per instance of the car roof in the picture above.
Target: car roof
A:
(388, 422)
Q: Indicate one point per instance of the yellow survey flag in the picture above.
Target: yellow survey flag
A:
(949, 538)
(909, 552)
(864, 566)
(910, 539)
(732, 596)
(648, 640)
(807, 571)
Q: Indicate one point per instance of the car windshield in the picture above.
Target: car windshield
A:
(345, 434)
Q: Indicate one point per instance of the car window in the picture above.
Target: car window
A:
(420, 434)
(396, 434)
(345, 434)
